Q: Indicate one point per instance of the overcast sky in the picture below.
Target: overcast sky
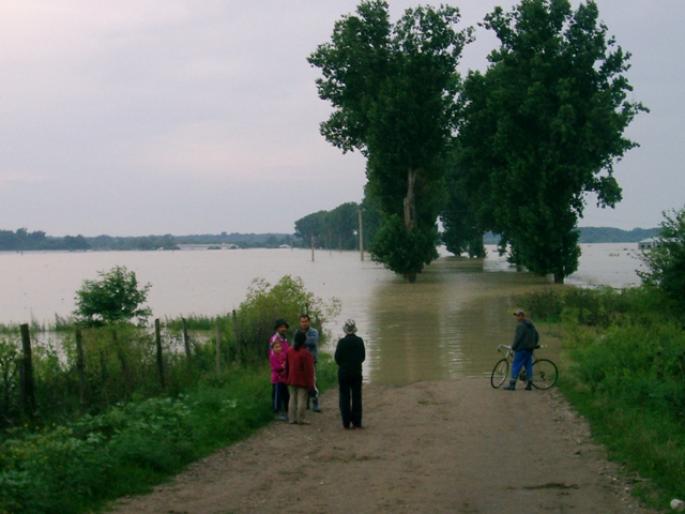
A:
(178, 116)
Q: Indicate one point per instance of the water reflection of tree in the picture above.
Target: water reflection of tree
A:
(405, 333)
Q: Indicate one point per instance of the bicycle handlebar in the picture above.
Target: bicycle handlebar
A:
(507, 347)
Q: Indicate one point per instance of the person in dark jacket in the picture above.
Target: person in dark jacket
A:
(349, 355)
(300, 379)
(525, 341)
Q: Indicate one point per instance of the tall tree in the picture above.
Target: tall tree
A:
(462, 230)
(311, 228)
(393, 89)
(543, 126)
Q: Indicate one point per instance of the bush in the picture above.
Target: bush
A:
(114, 297)
(666, 261)
(254, 321)
(598, 307)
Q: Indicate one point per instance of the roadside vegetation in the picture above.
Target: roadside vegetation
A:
(626, 363)
(123, 413)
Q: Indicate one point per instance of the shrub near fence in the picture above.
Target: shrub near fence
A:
(597, 307)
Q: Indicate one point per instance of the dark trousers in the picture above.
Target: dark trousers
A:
(350, 389)
(280, 397)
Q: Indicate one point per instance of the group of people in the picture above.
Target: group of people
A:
(293, 368)
(293, 372)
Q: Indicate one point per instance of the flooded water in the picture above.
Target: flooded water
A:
(446, 325)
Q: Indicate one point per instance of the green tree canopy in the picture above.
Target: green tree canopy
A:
(542, 127)
(393, 88)
(115, 296)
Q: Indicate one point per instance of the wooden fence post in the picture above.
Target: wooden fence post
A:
(80, 368)
(160, 357)
(27, 383)
(186, 340)
(121, 355)
(218, 346)
(239, 350)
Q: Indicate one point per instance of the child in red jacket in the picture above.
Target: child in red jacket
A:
(300, 366)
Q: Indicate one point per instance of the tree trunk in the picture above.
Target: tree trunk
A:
(558, 277)
(410, 201)
(410, 212)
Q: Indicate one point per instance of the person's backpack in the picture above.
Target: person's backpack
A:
(536, 337)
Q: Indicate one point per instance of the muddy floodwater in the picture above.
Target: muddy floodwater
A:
(446, 325)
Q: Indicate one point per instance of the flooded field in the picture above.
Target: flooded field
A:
(448, 324)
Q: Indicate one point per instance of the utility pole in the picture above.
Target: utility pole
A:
(311, 243)
(361, 234)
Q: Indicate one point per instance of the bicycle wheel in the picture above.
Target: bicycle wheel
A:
(499, 373)
(545, 374)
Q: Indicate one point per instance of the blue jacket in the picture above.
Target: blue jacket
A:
(312, 342)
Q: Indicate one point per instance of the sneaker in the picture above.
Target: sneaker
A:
(317, 409)
(529, 386)
(510, 387)
(281, 417)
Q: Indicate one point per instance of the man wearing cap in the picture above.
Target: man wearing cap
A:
(525, 341)
(349, 355)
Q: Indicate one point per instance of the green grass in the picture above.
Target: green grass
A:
(77, 467)
(624, 370)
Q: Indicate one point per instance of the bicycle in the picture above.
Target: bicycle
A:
(545, 372)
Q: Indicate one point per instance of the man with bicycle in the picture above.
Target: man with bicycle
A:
(525, 341)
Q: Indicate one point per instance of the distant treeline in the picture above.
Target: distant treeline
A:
(251, 240)
(334, 229)
(615, 235)
(599, 235)
(23, 240)
(337, 229)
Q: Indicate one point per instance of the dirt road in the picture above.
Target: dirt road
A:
(432, 447)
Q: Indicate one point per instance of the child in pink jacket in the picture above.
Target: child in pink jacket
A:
(279, 388)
